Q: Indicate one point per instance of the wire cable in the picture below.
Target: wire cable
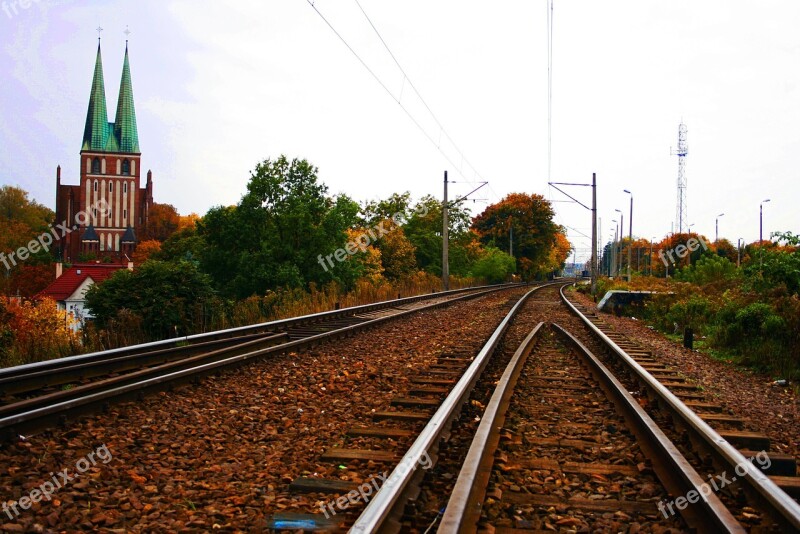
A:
(457, 168)
(414, 88)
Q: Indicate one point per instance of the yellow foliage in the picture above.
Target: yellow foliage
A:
(40, 331)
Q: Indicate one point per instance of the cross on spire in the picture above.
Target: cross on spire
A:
(99, 29)
(127, 33)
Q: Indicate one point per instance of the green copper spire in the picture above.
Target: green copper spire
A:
(96, 132)
(125, 131)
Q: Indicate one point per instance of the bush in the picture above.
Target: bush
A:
(494, 266)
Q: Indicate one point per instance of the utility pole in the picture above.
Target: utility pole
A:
(594, 261)
(593, 209)
(739, 252)
(630, 235)
(511, 238)
(445, 239)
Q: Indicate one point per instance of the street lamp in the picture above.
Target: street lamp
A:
(761, 221)
(630, 234)
(716, 225)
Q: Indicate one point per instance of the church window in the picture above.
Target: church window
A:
(95, 185)
(110, 187)
(126, 167)
(96, 166)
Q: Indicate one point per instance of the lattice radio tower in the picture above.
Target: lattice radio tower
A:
(681, 210)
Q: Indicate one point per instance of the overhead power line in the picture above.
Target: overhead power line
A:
(442, 131)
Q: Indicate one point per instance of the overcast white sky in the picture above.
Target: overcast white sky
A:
(219, 86)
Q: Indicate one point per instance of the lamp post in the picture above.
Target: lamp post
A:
(630, 234)
(716, 226)
(761, 221)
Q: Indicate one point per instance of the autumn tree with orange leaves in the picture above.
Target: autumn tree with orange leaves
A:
(535, 235)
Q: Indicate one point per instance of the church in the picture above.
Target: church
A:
(109, 207)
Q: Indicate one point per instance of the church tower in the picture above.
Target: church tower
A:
(109, 208)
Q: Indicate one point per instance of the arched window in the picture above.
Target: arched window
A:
(110, 187)
(126, 167)
(95, 185)
(125, 187)
(96, 166)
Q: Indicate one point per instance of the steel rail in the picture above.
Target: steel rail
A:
(266, 328)
(384, 505)
(464, 506)
(72, 371)
(784, 509)
(80, 400)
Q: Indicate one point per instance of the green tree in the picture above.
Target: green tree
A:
(494, 266)
(280, 233)
(397, 204)
(424, 230)
(170, 298)
(185, 244)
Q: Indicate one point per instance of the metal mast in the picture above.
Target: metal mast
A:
(681, 211)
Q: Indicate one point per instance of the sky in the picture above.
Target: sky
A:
(221, 86)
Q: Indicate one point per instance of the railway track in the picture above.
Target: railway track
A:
(38, 396)
(759, 484)
(615, 472)
(588, 463)
(418, 418)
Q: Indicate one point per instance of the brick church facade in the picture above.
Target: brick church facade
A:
(109, 207)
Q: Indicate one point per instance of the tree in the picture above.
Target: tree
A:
(280, 233)
(559, 253)
(170, 298)
(424, 230)
(188, 221)
(397, 204)
(530, 217)
(15, 206)
(494, 266)
(163, 220)
(397, 252)
(22, 221)
(145, 250)
(185, 244)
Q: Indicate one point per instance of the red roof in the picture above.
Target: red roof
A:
(66, 284)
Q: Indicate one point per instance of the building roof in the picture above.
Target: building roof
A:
(90, 234)
(66, 284)
(125, 122)
(129, 236)
(95, 133)
(99, 135)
